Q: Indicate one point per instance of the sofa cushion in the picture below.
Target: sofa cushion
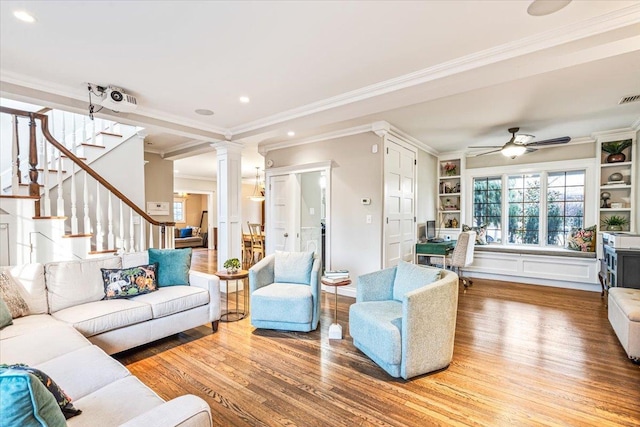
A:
(5, 315)
(185, 232)
(293, 267)
(41, 344)
(174, 299)
(115, 403)
(96, 317)
(377, 326)
(10, 294)
(25, 401)
(173, 265)
(282, 302)
(410, 277)
(30, 281)
(87, 362)
(24, 325)
(129, 282)
(71, 283)
(62, 399)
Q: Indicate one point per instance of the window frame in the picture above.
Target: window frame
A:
(183, 202)
(543, 169)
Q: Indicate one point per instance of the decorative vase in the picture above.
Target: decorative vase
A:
(616, 158)
(615, 176)
(614, 228)
(232, 270)
(453, 172)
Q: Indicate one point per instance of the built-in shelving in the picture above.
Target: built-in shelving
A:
(449, 221)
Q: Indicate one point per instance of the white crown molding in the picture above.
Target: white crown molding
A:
(538, 42)
(614, 134)
(198, 178)
(413, 141)
(328, 164)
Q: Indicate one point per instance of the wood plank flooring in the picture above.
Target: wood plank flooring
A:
(524, 356)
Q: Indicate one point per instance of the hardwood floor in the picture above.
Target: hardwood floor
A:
(524, 356)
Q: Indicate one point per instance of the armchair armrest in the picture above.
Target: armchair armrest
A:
(262, 273)
(315, 285)
(183, 411)
(210, 283)
(429, 325)
(376, 286)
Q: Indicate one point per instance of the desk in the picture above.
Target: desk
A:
(241, 275)
(335, 330)
(441, 249)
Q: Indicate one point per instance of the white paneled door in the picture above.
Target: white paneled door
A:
(399, 193)
(280, 235)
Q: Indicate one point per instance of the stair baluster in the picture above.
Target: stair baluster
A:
(121, 241)
(99, 233)
(84, 130)
(151, 235)
(85, 195)
(74, 201)
(34, 187)
(93, 132)
(60, 200)
(110, 237)
(45, 177)
(132, 232)
(16, 175)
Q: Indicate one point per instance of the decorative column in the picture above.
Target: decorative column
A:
(229, 185)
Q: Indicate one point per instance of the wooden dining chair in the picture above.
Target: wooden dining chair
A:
(247, 253)
(257, 241)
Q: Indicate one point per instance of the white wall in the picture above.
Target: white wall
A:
(427, 194)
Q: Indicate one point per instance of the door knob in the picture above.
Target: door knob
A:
(286, 234)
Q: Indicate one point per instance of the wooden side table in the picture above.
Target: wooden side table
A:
(236, 314)
(335, 330)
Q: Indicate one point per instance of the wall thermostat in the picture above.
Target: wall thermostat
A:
(365, 201)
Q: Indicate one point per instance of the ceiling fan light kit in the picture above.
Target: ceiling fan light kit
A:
(519, 144)
(513, 150)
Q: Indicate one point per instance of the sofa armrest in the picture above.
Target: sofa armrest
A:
(429, 326)
(376, 286)
(183, 411)
(262, 273)
(210, 283)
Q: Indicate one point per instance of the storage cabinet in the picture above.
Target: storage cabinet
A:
(450, 217)
(622, 267)
(617, 182)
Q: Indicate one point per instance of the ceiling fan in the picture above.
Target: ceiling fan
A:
(519, 144)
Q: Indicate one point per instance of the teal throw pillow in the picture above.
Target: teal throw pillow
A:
(5, 315)
(173, 265)
(293, 267)
(410, 277)
(185, 232)
(25, 401)
(62, 399)
(129, 282)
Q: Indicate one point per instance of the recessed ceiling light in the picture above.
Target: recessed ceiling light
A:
(546, 7)
(204, 112)
(291, 133)
(244, 99)
(24, 16)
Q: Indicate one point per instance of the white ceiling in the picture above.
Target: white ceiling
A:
(449, 73)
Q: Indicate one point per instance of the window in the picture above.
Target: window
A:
(524, 209)
(565, 205)
(487, 206)
(179, 210)
(541, 208)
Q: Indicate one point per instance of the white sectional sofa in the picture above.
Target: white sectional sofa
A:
(70, 331)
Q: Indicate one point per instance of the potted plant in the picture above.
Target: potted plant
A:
(232, 265)
(615, 150)
(615, 223)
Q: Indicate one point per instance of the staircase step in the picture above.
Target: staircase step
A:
(108, 251)
(73, 236)
(18, 196)
(49, 217)
(110, 134)
(86, 144)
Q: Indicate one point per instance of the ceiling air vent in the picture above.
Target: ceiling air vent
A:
(628, 99)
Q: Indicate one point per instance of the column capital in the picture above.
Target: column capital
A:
(227, 146)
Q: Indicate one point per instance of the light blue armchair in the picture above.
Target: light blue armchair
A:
(404, 318)
(285, 292)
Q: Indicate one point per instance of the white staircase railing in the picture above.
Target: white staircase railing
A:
(83, 189)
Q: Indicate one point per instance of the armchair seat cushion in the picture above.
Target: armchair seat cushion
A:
(377, 327)
(282, 302)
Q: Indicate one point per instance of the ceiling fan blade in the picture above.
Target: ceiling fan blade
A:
(488, 152)
(485, 146)
(553, 141)
(530, 150)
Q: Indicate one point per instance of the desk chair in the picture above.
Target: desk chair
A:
(462, 256)
(257, 241)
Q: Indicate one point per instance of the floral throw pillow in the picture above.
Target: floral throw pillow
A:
(63, 400)
(129, 282)
(11, 296)
(582, 239)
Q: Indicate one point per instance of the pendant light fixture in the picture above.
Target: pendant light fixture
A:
(258, 191)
